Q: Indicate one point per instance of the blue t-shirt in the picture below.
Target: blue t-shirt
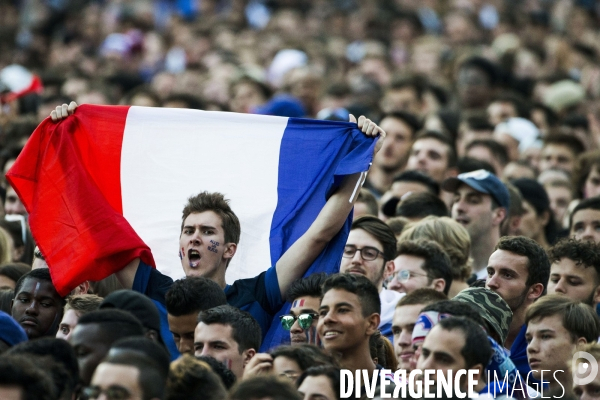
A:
(260, 296)
(518, 353)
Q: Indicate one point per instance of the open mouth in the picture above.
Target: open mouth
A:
(194, 258)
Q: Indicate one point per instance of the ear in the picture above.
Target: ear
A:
(230, 249)
(451, 173)
(535, 291)
(248, 354)
(373, 323)
(597, 295)
(438, 284)
(388, 269)
(498, 215)
(152, 335)
(581, 341)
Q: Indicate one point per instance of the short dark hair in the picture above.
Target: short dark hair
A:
(23, 373)
(305, 355)
(152, 379)
(494, 147)
(562, 139)
(425, 296)
(516, 100)
(147, 347)
(216, 203)
(408, 118)
(245, 329)
(14, 271)
(113, 323)
(419, 177)
(582, 252)
(477, 348)
(436, 264)
(309, 286)
(60, 352)
(192, 295)
(538, 264)
(332, 373)
(261, 387)
(486, 66)
(592, 203)
(440, 137)
(378, 229)
(417, 83)
(191, 101)
(421, 205)
(41, 274)
(361, 286)
(468, 164)
(577, 318)
(227, 377)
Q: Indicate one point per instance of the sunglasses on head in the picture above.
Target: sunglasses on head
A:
(305, 320)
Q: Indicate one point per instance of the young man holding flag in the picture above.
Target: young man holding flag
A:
(210, 233)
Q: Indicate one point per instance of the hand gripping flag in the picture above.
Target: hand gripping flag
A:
(108, 184)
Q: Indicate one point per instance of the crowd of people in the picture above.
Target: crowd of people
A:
(475, 242)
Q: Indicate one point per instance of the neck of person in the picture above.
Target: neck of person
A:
(381, 178)
(482, 248)
(516, 324)
(560, 383)
(456, 287)
(358, 357)
(541, 240)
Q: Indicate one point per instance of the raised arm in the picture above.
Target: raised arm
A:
(126, 275)
(297, 259)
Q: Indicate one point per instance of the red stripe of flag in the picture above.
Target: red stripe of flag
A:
(68, 177)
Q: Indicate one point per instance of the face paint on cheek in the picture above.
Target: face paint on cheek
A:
(213, 246)
(312, 337)
(181, 253)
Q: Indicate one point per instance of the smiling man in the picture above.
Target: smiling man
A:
(575, 270)
(348, 317)
(481, 203)
(370, 251)
(37, 306)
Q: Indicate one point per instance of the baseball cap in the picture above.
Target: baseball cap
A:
(483, 181)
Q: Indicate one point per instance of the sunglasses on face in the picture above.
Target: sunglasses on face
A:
(305, 320)
(111, 393)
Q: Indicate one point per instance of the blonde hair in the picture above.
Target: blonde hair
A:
(5, 250)
(450, 235)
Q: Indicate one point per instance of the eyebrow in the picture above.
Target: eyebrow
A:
(200, 225)
(213, 342)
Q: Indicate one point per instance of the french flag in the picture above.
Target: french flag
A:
(108, 184)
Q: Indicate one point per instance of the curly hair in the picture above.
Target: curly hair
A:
(583, 252)
(190, 378)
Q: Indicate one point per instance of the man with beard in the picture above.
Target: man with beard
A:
(575, 270)
(37, 306)
(400, 127)
(481, 202)
(370, 251)
(518, 271)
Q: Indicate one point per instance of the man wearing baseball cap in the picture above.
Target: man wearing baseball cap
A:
(481, 203)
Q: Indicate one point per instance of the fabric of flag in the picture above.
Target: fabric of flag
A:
(109, 183)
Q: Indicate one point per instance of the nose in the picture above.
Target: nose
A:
(588, 234)
(32, 309)
(405, 338)
(357, 258)
(296, 327)
(532, 347)
(394, 285)
(186, 346)
(560, 287)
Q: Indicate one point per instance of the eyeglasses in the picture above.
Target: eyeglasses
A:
(112, 393)
(403, 276)
(367, 253)
(305, 320)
